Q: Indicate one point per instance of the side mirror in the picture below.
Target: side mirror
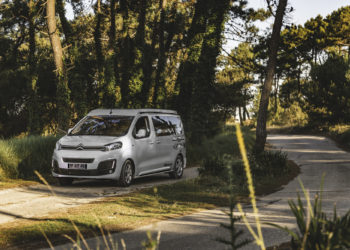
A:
(69, 130)
(141, 133)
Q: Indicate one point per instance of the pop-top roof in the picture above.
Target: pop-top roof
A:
(131, 112)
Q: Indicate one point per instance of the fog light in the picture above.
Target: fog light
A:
(107, 165)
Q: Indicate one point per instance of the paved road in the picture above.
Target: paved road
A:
(35, 201)
(315, 155)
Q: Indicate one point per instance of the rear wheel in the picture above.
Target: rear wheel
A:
(65, 181)
(126, 175)
(178, 168)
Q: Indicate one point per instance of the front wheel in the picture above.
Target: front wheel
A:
(126, 175)
(178, 168)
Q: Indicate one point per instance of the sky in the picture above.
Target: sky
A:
(303, 10)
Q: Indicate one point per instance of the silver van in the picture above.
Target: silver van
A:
(120, 145)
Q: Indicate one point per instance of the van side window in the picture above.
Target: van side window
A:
(162, 126)
(167, 125)
(142, 123)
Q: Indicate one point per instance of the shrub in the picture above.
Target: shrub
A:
(212, 165)
(269, 163)
(315, 229)
(19, 157)
(223, 143)
(266, 164)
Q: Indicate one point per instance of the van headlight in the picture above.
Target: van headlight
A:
(58, 146)
(113, 146)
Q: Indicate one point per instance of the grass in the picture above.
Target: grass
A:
(20, 157)
(115, 214)
(12, 183)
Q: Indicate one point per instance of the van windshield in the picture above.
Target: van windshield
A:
(103, 126)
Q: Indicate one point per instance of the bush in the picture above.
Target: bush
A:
(269, 163)
(19, 157)
(315, 229)
(223, 143)
(266, 164)
(212, 165)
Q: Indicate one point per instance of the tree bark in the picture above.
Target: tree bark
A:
(127, 55)
(97, 38)
(66, 27)
(54, 37)
(62, 92)
(33, 116)
(203, 90)
(112, 32)
(270, 71)
(159, 81)
(147, 53)
(185, 77)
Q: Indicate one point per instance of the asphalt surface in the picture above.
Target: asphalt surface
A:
(37, 200)
(316, 156)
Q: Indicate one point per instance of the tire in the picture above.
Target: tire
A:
(65, 181)
(127, 174)
(178, 168)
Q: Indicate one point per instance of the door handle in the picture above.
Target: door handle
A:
(151, 142)
(157, 142)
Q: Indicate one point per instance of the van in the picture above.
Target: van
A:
(121, 145)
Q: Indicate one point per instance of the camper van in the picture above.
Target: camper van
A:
(121, 145)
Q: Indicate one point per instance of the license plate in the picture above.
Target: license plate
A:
(77, 165)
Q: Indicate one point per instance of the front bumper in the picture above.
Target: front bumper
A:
(99, 165)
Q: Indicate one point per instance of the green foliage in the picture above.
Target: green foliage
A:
(218, 145)
(313, 67)
(327, 94)
(266, 164)
(315, 229)
(19, 157)
(293, 115)
(121, 54)
(213, 165)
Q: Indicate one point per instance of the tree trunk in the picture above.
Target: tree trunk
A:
(66, 27)
(246, 111)
(202, 99)
(270, 71)
(159, 81)
(147, 53)
(112, 32)
(112, 43)
(127, 55)
(98, 50)
(33, 115)
(62, 93)
(240, 115)
(185, 77)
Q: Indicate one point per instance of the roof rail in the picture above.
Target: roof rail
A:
(158, 111)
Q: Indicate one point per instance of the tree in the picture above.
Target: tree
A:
(62, 94)
(270, 71)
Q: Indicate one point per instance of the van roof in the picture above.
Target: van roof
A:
(132, 112)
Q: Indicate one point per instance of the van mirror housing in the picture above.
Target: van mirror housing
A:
(141, 133)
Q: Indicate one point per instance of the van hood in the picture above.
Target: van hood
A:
(87, 140)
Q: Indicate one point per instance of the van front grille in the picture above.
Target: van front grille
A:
(78, 160)
(92, 148)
